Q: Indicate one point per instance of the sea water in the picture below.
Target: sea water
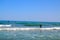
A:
(29, 34)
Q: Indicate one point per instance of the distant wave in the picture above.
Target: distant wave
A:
(5, 25)
(54, 28)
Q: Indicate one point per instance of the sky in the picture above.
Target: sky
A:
(30, 10)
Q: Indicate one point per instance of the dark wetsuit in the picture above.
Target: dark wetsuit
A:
(40, 26)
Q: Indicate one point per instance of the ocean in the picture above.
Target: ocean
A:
(29, 34)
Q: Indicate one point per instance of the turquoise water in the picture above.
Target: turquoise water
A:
(30, 34)
(31, 23)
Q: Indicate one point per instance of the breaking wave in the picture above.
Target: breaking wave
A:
(54, 28)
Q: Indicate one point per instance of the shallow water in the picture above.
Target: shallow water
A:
(30, 35)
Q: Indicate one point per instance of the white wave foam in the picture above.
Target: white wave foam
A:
(5, 25)
(56, 28)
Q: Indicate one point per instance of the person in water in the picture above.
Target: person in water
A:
(40, 26)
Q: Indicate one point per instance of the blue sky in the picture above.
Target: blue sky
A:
(30, 10)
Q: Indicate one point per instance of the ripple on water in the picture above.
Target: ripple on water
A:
(30, 35)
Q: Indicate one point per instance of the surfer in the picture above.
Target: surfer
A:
(40, 26)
